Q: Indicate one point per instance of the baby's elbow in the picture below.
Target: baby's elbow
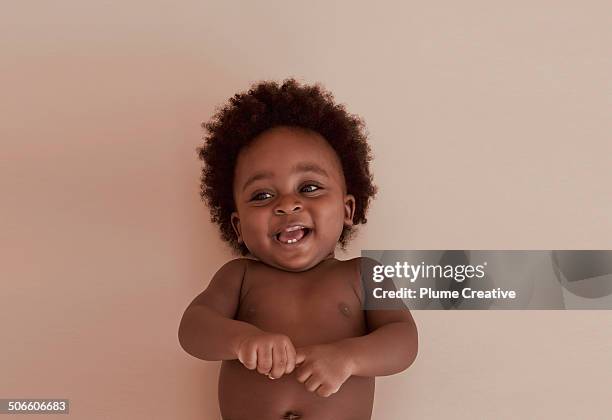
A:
(184, 336)
(413, 353)
(411, 348)
(187, 335)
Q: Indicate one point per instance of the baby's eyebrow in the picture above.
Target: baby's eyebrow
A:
(299, 167)
(256, 177)
(309, 167)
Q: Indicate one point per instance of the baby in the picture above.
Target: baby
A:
(287, 177)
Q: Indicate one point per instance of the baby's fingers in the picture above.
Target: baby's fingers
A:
(313, 383)
(264, 359)
(303, 373)
(279, 361)
(326, 390)
(301, 355)
(290, 350)
(248, 357)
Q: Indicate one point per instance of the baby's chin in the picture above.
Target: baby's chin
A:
(295, 265)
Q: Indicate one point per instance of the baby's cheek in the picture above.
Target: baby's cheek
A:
(253, 232)
(340, 221)
(334, 215)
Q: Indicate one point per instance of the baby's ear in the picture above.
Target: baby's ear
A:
(236, 225)
(349, 209)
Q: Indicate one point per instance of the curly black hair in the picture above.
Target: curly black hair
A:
(268, 104)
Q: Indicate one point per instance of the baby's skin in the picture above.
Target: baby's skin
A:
(302, 319)
(288, 323)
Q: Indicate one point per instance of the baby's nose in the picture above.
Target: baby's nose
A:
(288, 205)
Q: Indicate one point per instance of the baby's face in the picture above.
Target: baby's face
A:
(291, 199)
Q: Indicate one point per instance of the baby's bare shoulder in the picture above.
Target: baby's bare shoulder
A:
(343, 264)
(237, 264)
(222, 292)
(358, 265)
(348, 273)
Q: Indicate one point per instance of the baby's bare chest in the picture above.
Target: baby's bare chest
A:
(309, 309)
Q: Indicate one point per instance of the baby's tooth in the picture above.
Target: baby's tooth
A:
(290, 241)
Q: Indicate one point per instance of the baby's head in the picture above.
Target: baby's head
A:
(286, 174)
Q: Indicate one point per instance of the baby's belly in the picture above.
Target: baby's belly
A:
(248, 395)
(312, 316)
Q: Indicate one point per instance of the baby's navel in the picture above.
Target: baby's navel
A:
(344, 309)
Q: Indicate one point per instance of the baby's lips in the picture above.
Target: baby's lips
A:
(293, 235)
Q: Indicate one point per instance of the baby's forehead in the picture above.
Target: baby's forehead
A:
(285, 148)
(295, 142)
(290, 136)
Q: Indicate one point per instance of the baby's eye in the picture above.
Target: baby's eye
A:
(261, 196)
(310, 188)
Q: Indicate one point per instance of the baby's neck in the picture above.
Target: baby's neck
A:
(331, 255)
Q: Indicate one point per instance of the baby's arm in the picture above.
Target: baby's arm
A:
(392, 342)
(389, 347)
(209, 331)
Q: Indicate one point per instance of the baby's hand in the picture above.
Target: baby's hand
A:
(324, 368)
(271, 354)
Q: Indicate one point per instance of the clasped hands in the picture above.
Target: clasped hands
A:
(321, 368)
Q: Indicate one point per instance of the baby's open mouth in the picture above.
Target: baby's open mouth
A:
(292, 234)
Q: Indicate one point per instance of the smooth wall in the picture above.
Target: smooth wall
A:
(490, 126)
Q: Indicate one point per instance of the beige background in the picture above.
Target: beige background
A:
(490, 124)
